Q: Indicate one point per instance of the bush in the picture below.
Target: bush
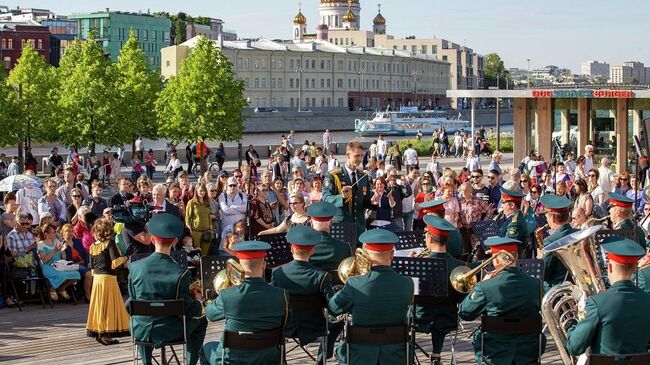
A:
(424, 147)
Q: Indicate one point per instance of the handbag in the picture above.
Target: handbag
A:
(63, 265)
(206, 236)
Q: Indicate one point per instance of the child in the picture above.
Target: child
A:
(13, 167)
(193, 254)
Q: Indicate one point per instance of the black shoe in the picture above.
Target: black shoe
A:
(435, 360)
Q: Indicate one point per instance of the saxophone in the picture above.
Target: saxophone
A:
(539, 235)
(560, 310)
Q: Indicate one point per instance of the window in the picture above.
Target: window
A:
(145, 35)
(339, 65)
(434, 49)
(339, 83)
(329, 83)
(257, 83)
(340, 103)
(322, 83)
(444, 58)
(10, 43)
(291, 64)
(167, 63)
(349, 83)
(306, 64)
(306, 83)
(291, 102)
(322, 64)
(414, 49)
(313, 83)
(329, 102)
(7, 62)
(322, 102)
(280, 86)
(273, 85)
(313, 64)
(313, 101)
(424, 49)
(4, 43)
(22, 43)
(307, 102)
(291, 84)
(256, 63)
(263, 82)
(329, 64)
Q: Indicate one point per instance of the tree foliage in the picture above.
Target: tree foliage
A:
(7, 114)
(205, 100)
(494, 68)
(33, 78)
(137, 87)
(87, 98)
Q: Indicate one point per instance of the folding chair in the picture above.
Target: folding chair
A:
(512, 326)
(310, 305)
(253, 341)
(38, 280)
(159, 308)
(629, 359)
(380, 335)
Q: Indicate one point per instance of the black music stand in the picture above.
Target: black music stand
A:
(484, 230)
(180, 256)
(346, 232)
(409, 240)
(280, 252)
(210, 267)
(532, 267)
(433, 282)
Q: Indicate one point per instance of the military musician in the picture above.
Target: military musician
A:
(349, 189)
(617, 320)
(643, 274)
(514, 223)
(621, 212)
(159, 277)
(440, 316)
(509, 294)
(558, 217)
(328, 252)
(378, 302)
(303, 280)
(254, 306)
(454, 245)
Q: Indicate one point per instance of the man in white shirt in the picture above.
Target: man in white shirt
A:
(381, 148)
(27, 197)
(327, 141)
(589, 158)
(606, 177)
(473, 162)
(411, 156)
(232, 204)
(372, 150)
(458, 145)
(413, 179)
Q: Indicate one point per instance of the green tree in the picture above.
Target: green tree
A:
(33, 78)
(137, 86)
(494, 68)
(87, 98)
(205, 100)
(9, 135)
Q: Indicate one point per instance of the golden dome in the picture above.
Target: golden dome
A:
(299, 19)
(349, 17)
(338, 1)
(379, 20)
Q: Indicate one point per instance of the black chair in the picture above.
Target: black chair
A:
(380, 335)
(159, 308)
(512, 326)
(253, 341)
(312, 305)
(630, 359)
(28, 279)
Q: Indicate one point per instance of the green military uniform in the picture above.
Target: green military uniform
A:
(329, 252)
(616, 320)
(254, 306)
(455, 240)
(353, 211)
(300, 278)
(159, 277)
(514, 226)
(380, 298)
(511, 294)
(554, 270)
(440, 317)
(622, 201)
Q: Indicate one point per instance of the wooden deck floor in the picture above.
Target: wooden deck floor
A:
(57, 337)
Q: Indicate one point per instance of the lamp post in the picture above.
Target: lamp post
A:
(528, 60)
(299, 70)
(362, 73)
(239, 146)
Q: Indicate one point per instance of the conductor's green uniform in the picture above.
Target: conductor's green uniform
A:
(354, 210)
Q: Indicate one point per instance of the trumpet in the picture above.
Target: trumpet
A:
(424, 253)
(464, 280)
(539, 235)
(593, 221)
(359, 264)
(232, 275)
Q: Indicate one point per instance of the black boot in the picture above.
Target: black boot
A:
(435, 360)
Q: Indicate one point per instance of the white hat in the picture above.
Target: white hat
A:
(233, 181)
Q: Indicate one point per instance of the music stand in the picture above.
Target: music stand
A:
(180, 256)
(532, 267)
(346, 232)
(410, 240)
(210, 267)
(433, 283)
(280, 252)
(484, 230)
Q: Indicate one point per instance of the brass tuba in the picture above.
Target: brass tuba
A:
(578, 253)
(464, 280)
(232, 275)
(359, 264)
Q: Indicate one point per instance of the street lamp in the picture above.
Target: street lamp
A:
(239, 146)
(299, 70)
(362, 73)
(528, 60)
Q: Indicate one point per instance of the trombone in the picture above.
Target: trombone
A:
(464, 280)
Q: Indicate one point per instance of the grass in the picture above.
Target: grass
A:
(424, 147)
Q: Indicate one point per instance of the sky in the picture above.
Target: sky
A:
(564, 33)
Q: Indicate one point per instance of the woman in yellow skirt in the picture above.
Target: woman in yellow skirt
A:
(107, 316)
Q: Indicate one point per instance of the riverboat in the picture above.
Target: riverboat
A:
(408, 122)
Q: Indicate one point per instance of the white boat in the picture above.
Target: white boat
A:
(408, 121)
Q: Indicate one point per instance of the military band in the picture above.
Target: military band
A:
(558, 216)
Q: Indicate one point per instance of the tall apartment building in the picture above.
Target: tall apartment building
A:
(595, 69)
(632, 72)
(111, 29)
(14, 37)
(319, 74)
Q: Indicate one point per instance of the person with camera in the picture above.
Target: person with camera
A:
(135, 214)
(399, 190)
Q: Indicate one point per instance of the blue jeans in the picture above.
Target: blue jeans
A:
(457, 152)
(408, 221)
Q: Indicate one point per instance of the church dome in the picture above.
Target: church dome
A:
(379, 20)
(338, 1)
(349, 17)
(299, 19)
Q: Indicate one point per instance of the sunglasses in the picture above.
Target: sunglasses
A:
(232, 185)
(264, 190)
(592, 175)
(534, 192)
(523, 181)
(76, 196)
(476, 177)
(237, 176)
(623, 179)
(294, 203)
(492, 177)
(25, 224)
(214, 191)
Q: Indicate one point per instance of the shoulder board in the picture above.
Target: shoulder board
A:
(515, 217)
(335, 171)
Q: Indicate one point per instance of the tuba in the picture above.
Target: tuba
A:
(464, 280)
(359, 264)
(232, 275)
(578, 253)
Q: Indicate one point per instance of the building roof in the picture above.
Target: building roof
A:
(313, 46)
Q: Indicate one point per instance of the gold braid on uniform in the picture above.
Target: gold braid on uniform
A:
(97, 248)
(337, 182)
